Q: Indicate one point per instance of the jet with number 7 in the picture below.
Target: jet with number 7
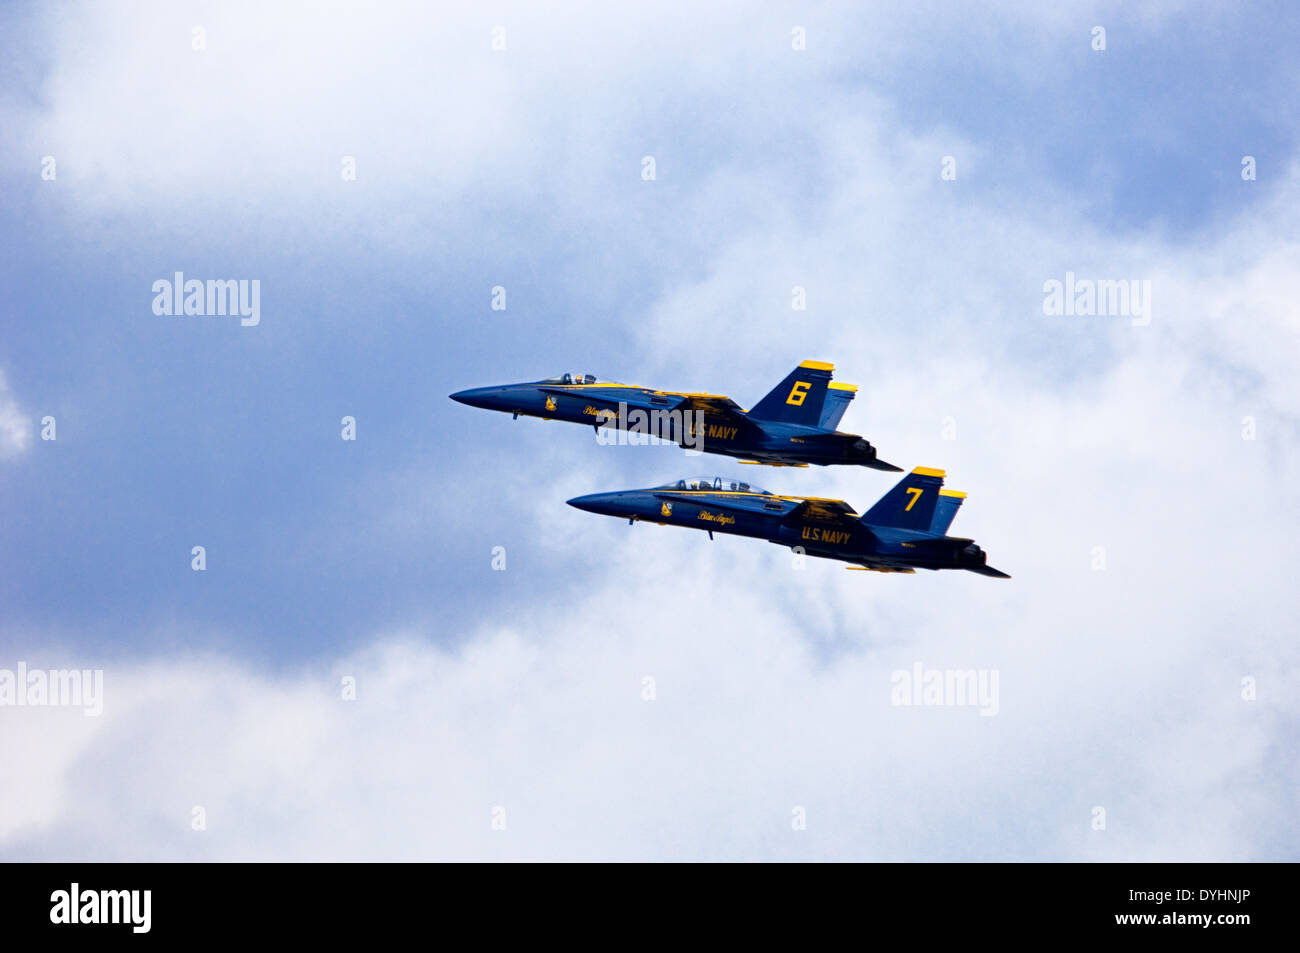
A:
(794, 425)
(905, 531)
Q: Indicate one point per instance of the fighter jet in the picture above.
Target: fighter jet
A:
(905, 531)
(794, 425)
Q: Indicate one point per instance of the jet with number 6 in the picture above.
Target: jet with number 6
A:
(794, 425)
(905, 531)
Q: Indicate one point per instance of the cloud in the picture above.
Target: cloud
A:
(1123, 688)
(15, 425)
(258, 119)
(547, 720)
(1164, 451)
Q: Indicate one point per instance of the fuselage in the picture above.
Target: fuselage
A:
(727, 508)
(637, 409)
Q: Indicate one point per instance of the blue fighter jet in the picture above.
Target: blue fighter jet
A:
(905, 531)
(794, 425)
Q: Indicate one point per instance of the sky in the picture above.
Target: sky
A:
(349, 677)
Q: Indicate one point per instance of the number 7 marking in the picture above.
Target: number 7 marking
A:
(912, 502)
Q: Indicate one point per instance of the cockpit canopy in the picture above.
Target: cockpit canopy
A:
(571, 379)
(714, 485)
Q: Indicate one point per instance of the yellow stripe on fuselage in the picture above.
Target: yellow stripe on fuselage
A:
(659, 393)
(765, 496)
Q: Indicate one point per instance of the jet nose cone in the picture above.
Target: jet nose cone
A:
(604, 503)
(475, 397)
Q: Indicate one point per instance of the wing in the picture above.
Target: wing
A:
(720, 411)
(715, 404)
(817, 508)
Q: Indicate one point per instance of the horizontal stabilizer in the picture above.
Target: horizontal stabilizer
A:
(988, 571)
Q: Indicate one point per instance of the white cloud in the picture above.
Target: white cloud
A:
(15, 425)
(1098, 706)
(1120, 688)
(140, 121)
